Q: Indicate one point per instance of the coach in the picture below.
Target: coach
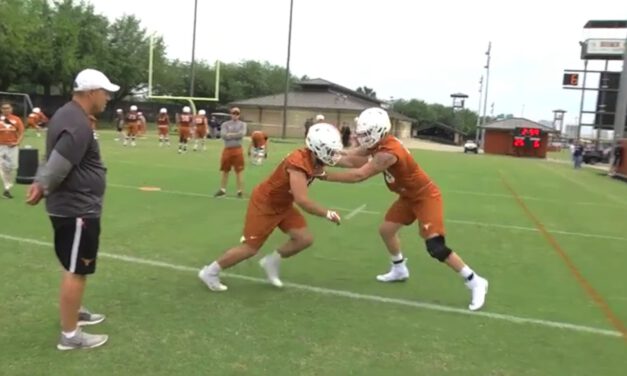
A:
(73, 182)
(233, 131)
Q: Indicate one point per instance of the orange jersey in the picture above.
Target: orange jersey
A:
(11, 129)
(259, 139)
(201, 121)
(274, 192)
(404, 177)
(35, 119)
(163, 121)
(185, 120)
(132, 118)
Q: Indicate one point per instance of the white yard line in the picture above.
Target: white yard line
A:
(458, 221)
(355, 211)
(353, 295)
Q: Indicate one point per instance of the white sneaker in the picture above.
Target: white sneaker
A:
(271, 266)
(479, 289)
(211, 280)
(397, 273)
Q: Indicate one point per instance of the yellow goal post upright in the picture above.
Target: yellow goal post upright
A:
(191, 100)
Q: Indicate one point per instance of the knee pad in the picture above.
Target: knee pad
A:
(437, 248)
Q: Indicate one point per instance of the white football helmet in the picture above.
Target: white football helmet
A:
(372, 125)
(36, 110)
(163, 110)
(133, 108)
(187, 110)
(325, 142)
(202, 112)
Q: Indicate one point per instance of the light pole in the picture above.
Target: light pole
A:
(287, 72)
(478, 125)
(192, 65)
(487, 82)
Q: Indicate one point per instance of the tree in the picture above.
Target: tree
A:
(367, 91)
(13, 41)
(127, 55)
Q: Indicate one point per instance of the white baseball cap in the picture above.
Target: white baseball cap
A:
(319, 117)
(91, 79)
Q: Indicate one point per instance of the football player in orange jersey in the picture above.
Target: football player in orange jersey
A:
(258, 147)
(185, 124)
(132, 124)
(201, 128)
(36, 119)
(141, 125)
(271, 205)
(419, 199)
(163, 127)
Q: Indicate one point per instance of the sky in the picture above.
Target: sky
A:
(401, 48)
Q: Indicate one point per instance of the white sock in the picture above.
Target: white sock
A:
(70, 334)
(467, 273)
(397, 258)
(275, 256)
(214, 268)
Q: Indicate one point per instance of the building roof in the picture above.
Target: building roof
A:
(323, 100)
(320, 94)
(437, 124)
(511, 124)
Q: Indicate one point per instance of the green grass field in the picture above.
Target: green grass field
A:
(332, 318)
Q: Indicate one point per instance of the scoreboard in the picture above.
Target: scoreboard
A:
(527, 138)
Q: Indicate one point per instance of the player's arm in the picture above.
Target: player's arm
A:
(20, 131)
(379, 163)
(352, 161)
(299, 188)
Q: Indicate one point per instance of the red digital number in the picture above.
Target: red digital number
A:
(524, 132)
(534, 132)
(536, 144)
(519, 142)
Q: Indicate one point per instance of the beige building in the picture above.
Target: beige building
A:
(338, 104)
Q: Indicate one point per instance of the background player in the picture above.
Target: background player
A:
(419, 199)
(258, 147)
(163, 127)
(132, 124)
(185, 123)
(271, 206)
(201, 129)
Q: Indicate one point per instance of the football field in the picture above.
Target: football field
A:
(551, 240)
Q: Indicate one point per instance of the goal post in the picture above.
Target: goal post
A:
(190, 100)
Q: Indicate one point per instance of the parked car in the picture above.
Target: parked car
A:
(471, 147)
(592, 156)
(221, 117)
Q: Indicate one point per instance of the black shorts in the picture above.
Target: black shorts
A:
(76, 243)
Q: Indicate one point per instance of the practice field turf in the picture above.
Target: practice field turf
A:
(551, 240)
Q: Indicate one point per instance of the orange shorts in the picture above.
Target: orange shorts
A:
(262, 220)
(163, 131)
(131, 129)
(201, 132)
(184, 134)
(232, 158)
(428, 209)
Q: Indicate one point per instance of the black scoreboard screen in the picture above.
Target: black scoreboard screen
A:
(527, 137)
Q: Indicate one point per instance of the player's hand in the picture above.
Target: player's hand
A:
(334, 217)
(34, 194)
